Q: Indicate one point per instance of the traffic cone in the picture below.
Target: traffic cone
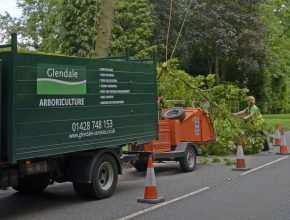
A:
(283, 145)
(277, 136)
(150, 191)
(240, 162)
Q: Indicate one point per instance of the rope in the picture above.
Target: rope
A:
(165, 64)
(178, 36)
(168, 29)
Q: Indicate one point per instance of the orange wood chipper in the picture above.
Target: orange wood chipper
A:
(180, 133)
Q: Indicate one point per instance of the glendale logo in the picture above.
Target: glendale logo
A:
(60, 73)
(61, 79)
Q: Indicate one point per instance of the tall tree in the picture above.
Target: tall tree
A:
(40, 24)
(160, 16)
(8, 25)
(276, 17)
(221, 37)
(105, 28)
(133, 28)
(228, 34)
(79, 22)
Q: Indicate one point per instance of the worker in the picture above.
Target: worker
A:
(252, 114)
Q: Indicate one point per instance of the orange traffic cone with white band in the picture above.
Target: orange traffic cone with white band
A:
(240, 162)
(283, 145)
(150, 191)
(277, 136)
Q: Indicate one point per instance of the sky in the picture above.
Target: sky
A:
(10, 7)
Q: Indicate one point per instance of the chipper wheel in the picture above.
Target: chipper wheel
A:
(188, 162)
(140, 165)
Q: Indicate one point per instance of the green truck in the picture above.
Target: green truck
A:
(66, 118)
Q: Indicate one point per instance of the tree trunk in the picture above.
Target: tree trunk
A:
(217, 68)
(105, 27)
(223, 71)
(209, 63)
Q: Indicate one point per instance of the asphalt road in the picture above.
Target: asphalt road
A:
(287, 136)
(212, 191)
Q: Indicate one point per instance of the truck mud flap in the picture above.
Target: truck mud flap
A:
(81, 165)
(8, 177)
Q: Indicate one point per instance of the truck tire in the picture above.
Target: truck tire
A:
(174, 113)
(188, 162)
(140, 165)
(104, 179)
(32, 184)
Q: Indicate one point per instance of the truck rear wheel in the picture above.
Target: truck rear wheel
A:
(104, 179)
(32, 184)
(188, 162)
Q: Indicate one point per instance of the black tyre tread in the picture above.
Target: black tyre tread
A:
(140, 165)
(183, 161)
(32, 184)
(83, 189)
(180, 115)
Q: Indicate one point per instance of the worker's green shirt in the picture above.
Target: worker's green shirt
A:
(257, 119)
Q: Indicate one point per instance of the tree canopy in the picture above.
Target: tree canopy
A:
(243, 42)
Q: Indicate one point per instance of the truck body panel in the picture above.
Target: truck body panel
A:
(56, 105)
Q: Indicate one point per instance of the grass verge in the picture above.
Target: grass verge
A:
(282, 119)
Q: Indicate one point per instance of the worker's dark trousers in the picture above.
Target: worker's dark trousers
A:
(265, 143)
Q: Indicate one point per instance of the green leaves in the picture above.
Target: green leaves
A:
(243, 42)
(133, 28)
(79, 28)
(40, 24)
(276, 17)
(8, 25)
(201, 91)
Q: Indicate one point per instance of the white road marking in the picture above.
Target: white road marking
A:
(260, 167)
(163, 204)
